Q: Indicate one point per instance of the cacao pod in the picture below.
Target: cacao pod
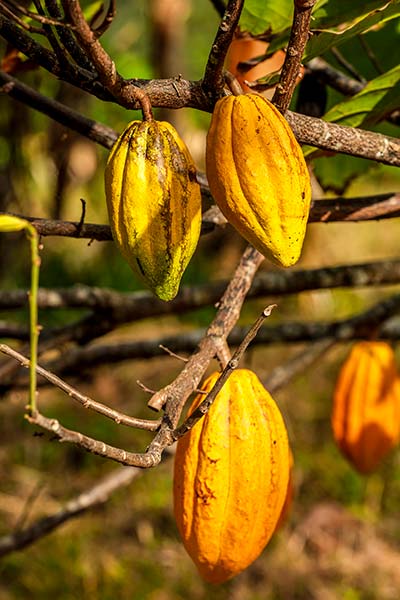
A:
(230, 477)
(154, 203)
(258, 176)
(366, 405)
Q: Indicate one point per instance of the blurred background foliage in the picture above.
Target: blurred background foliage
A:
(341, 538)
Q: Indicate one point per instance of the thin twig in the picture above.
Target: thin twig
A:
(343, 62)
(108, 19)
(165, 436)
(27, 26)
(150, 458)
(98, 132)
(105, 66)
(67, 38)
(371, 55)
(119, 308)
(38, 17)
(359, 326)
(85, 401)
(333, 77)
(213, 80)
(170, 353)
(344, 84)
(232, 364)
(297, 42)
(52, 38)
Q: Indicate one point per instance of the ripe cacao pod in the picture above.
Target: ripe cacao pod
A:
(258, 176)
(230, 477)
(366, 405)
(154, 203)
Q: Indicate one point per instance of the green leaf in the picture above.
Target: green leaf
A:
(323, 41)
(260, 16)
(337, 172)
(332, 13)
(9, 223)
(379, 98)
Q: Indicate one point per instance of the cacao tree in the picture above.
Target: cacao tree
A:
(139, 302)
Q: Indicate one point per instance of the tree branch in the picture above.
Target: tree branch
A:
(213, 80)
(178, 93)
(146, 460)
(346, 140)
(365, 325)
(174, 395)
(120, 308)
(85, 401)
(367, 208)
(231, 365)
(99, 133)
(297, 42)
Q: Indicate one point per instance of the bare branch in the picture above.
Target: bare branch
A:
(362, 326)
(37, 17)
(119, 308)
(213, 80)
(174, 395)
(67, 38)
(102, 134)
(232, 364)
(105, 66)
(346, 140)
(163, 93)
(297, 42)
(336, 79)
(27, 26)
(367, 208)
(25, 44)
(108, 19)
(150, 458)
(84, 400)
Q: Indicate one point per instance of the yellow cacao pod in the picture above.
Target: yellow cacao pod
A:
(366, 405)
(230, 477)
(154, 203)
(258, 176)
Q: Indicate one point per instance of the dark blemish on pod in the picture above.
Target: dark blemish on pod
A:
(140, 267)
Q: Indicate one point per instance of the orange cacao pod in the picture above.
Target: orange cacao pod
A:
(258, 176)
(230, 477)
(366, 405)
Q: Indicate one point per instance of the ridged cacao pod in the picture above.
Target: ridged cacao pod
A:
(258, 176)
(366, 405)
(230, 477)
(154, 203)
